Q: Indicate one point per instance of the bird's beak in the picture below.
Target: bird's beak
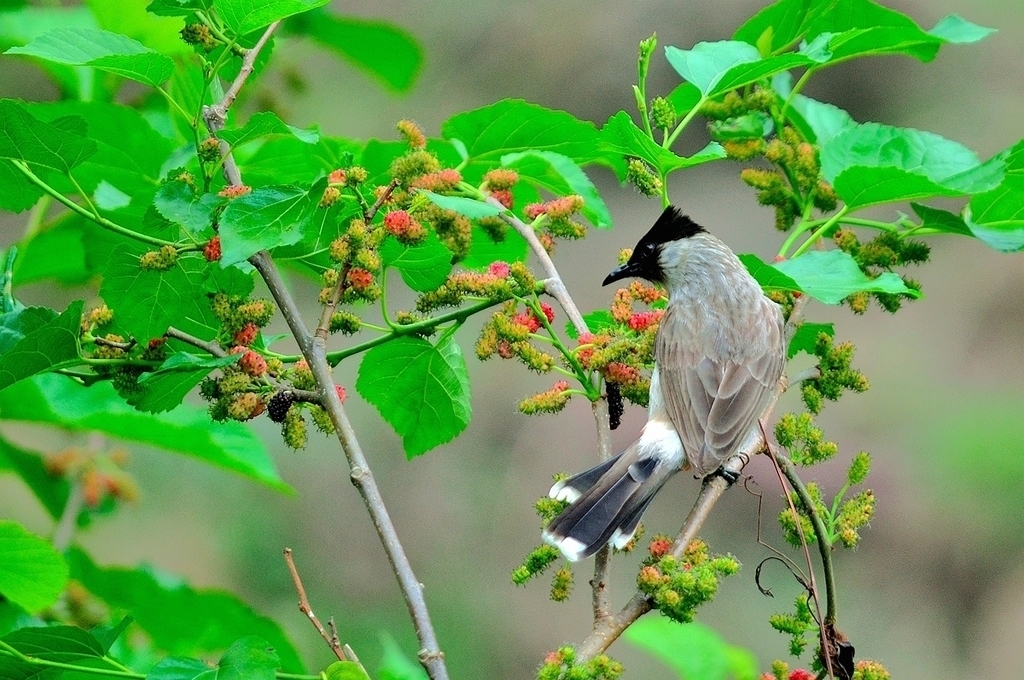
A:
(631, 268)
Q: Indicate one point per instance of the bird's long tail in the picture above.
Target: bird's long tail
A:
(606, 503)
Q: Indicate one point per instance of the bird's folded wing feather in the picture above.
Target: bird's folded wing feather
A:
(713, 402)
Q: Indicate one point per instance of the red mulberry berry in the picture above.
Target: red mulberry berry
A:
(211, 251)
(245, 335)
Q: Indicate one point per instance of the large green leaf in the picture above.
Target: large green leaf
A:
(483, 250)
(19, 322)
(19, 194)
(19, 26)
(182, 204)
(781, 24)
(100, 49)
(620, 136)
(32, 573)
(997, 216)
(132, 19)
(146, 302)
(178, 618)
(129, 153)
(45, 347)
(421, 389)
(265, 124)
(383, 50)
(692, 650)
(61, 402)
(166, 387)
(872, 163)
(768, 276)
(560, 175)
(940, 221)
(51, 491)
(806, 337)
(513, 125)
(25, 138)
(345, 670)
(250, 658)
(245, 16)
(55, 644)
(423, 267)
(266, 218)
(819, 121)
(832, 275)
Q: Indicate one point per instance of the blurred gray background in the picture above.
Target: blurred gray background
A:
(936, 588)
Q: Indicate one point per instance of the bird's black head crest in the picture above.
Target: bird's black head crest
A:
(671, 226)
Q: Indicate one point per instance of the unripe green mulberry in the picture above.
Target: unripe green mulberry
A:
(293, 430)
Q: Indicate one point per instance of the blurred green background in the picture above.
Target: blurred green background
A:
(936, 588)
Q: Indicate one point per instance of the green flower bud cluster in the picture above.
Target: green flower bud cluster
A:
(678, 586)
(640, 175)
(805, 442)
(836, 374)
(663, 113)
(561, 584)
(562, 665)
(870, 670)
(240, 317)
(355, 254)
(789, 522)
(544, 556)
(549, 401)
(796, 625)
(200, 35)
(536, 563)
(159, 260)
(887, 250)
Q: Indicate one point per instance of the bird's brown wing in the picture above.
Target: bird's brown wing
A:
(713, 400)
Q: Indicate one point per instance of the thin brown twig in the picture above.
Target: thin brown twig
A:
(126, 346)
(776, 462)
(215, 115)
(210, 347)
(330, 638)
(368, 215)
(555, 287)
(315, 352)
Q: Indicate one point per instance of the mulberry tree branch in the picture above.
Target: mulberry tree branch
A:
(314, 350)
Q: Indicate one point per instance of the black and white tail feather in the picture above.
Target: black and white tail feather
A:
(607, 502)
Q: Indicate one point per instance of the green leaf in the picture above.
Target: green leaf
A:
(35, 256)
(383, 50)
(44, 348)
(597, 321)
(821, 121)
(165, 388)
(132, 19)
(16, 324)
(100, 49)
(52, 492)
(483, 250)
(23, 137)
(832, 275)
(245, 16)
(621, 136)
(345, 670)
(684, 97)
(59, 401)
(785, 22)
(180, 668)
(19, 194)
(513, 125)
(423, 267)
(395, 665)
(768, 276)
(873, 163)
(146, 302)
(693, 650)
(470, 207)
(266, 218)
(422, 390)
(997, 216)
(265, 124)
(64, 644)
(179, 202)
(806, 337)
(32, 573)
(178, 618)
(706, 63)
(250, 658)
(941, 220)
(560, 175)
(955, 29)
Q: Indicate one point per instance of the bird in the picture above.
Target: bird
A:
(719, 351)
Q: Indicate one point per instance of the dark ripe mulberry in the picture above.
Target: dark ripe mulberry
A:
(279, 405)
(615, 406)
